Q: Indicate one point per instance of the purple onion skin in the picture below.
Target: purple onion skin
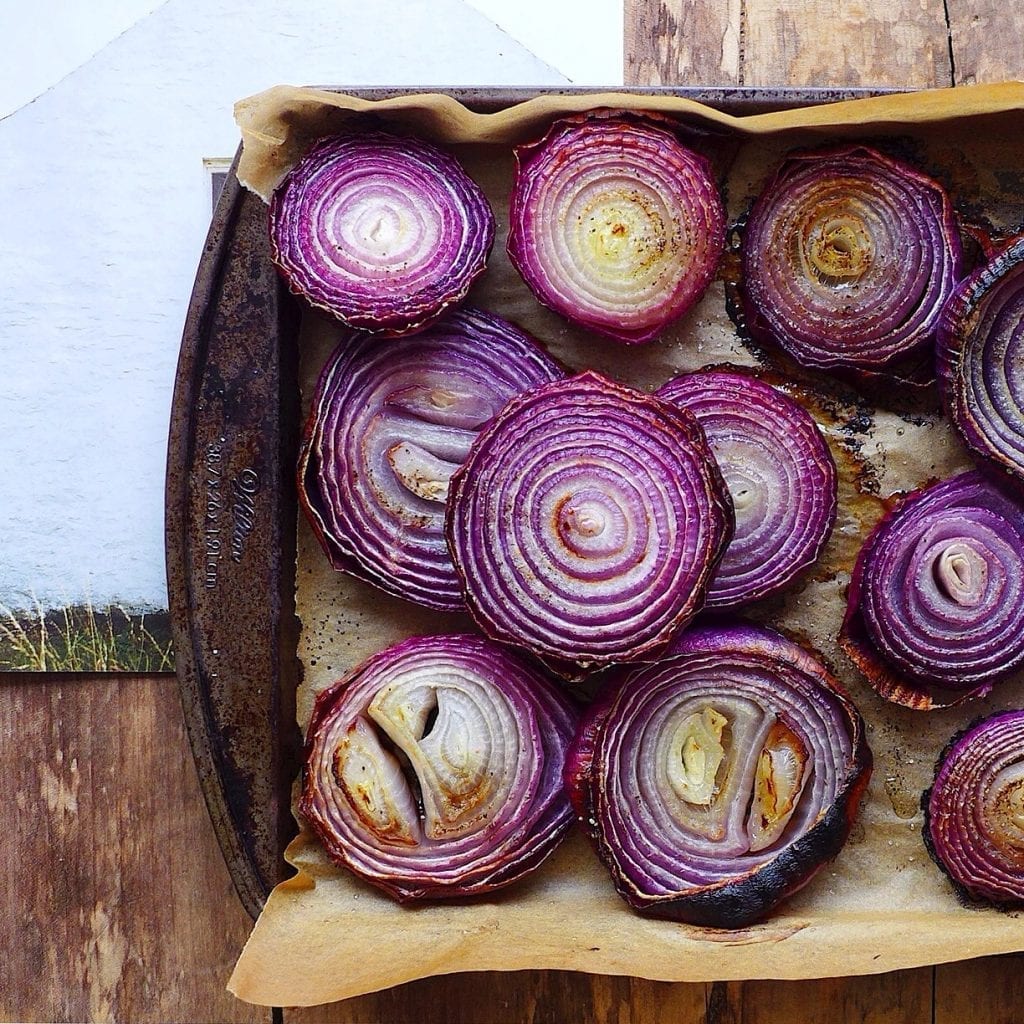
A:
(980, 361)
(652, 219)
(368, 522)
(516, 836)
(976, 509)
(587, 522)
(383, 232)
(761, 437)
(864, 293)
(749, 895)
(985, 863)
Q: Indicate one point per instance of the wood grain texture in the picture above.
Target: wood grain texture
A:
(987, 40)
(116, 902)
(989, 990)
(900, 997)
(522, 997)
(836, 43)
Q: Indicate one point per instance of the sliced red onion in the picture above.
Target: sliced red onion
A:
(974, 812)
(434, 769)
(780, 474)
(389, 424)
(935, 610)
(384, 232)
(848, 256)
(981, 359)
(716, 782)
(615, 224)
(587, 522)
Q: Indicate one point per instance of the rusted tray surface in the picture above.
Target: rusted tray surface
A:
(231, 507)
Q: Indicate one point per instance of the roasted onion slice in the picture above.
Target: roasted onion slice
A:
(615, 224)
(981, 359)
(587, 522)
(848, 256)
(434, 769)
(780, 474)
(382, 231)
(935, 610)
(974, 812)
(716, 782)
(389, 424)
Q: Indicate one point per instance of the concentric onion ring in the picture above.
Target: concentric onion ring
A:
(434, 769)
(848, 256)
(389, 423)
(717, 781)
(780, 474)
(384, 232)
(974, 812)
(936, 601)
(587, 522)
(615, 224)
(981, 359)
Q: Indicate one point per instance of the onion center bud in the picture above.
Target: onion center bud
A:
(962, 573)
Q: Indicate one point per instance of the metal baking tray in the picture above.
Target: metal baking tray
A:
(231, 510)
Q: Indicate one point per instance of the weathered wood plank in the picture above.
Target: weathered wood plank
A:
(787, 42)
(526, 997)
(987, 39)
(901, 997)
(116, 902)
(989, 990)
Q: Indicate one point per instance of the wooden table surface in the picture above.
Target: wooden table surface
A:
(116, 902)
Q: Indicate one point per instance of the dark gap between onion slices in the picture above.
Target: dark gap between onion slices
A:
(717, 781)
(981, 360)
(587, 522)
(847, 258)
(974, 811)
(390, 422)
(935, 609)
(434, 769)
(614, 223)
(384, 232)
(779, 472)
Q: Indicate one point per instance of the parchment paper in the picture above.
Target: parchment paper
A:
(882, 904)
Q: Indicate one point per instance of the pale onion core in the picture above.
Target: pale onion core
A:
(779, 472)
(384, 232)
(848, 256)
(434, 769)
(615, 225)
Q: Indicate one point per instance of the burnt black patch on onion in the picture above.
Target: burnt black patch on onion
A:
(935, 608)
(434, 768)
(847, 258)
(390, 422)
(384, 232)
(587, 522)
(779, 472)
(974, 811)
(615, 224)
(717, 781)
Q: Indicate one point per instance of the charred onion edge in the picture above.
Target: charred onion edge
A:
(964, 890)
(583, 133)
(555, 717)
(735, 902)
